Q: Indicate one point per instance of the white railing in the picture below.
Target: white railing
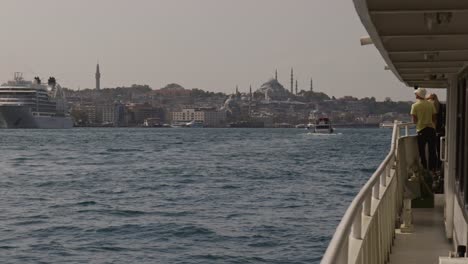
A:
(366, 231)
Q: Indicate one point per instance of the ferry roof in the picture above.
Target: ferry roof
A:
(423, 42)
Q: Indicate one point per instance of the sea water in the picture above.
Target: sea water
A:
(178, 195)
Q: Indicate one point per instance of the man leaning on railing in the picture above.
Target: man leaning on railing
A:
(424, 116)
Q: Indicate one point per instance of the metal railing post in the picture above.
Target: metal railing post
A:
(383, 177)
(376, 191)
(368, 205)
(375, 238)
(357, 224)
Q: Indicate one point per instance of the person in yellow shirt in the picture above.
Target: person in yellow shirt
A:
(424, 113)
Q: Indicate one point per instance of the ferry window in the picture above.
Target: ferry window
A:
(462, 139)
(464, 164)
(459, 129)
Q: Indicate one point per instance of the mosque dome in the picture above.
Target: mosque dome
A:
(173, 86)
(273, 90)
(231, 105)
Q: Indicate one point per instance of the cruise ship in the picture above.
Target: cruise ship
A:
(31, 104)
(395, 217)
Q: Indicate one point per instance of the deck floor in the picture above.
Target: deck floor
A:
(428, 242)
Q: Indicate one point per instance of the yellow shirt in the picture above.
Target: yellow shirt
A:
(423, 110)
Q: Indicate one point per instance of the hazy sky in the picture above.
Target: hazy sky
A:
(209, 44)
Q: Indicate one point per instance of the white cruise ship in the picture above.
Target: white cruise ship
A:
(26, 104)
(395, 217)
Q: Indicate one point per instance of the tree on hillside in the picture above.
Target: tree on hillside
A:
(314, 96)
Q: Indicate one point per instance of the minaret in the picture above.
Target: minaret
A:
(250, 102)
(296, 87)
(237, 89)
(276, 75)
(311, 85)
(98, 78)
(292, 80)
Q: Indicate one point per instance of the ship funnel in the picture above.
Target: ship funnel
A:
(37, 80)
(52, 82)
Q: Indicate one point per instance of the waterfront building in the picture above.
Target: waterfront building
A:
(89, 111)
(106, 114)
(137, 113)
(209, 116)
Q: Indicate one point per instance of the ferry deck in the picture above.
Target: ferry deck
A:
(396, 217)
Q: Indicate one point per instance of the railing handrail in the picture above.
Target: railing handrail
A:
(344, 227)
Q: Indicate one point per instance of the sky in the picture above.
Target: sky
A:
(208, 44)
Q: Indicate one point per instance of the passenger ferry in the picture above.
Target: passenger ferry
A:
(321, 125)
(424, 44)
(26, 104)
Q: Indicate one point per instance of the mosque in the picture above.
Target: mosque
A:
(271, 99)
(273, 90)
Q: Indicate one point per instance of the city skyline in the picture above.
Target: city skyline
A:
(208, 44)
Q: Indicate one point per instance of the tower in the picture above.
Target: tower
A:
(276, 75)
(250, 102)
(311, 85)
(98, 78)
(296, 86)
(292, 80)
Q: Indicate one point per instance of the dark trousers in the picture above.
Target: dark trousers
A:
(427, 136)
(437, 144)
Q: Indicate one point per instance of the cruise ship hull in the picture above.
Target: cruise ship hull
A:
(21, 117)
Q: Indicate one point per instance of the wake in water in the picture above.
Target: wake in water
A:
(324, 134)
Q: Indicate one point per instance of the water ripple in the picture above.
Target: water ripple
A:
(187, 196)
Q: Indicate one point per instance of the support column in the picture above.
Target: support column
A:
(449, 165)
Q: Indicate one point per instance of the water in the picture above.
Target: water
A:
(178, 195)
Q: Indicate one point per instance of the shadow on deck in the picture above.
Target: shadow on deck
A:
(428, 242)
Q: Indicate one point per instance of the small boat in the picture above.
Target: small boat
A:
(178, 124)
(194, 124)
(321, 126)
(152, 122)
(388, 124)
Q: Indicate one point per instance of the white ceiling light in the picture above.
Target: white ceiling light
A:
(430, 56)
(444, 17)
(437, 18)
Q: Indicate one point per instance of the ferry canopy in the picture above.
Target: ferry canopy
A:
(423, 42)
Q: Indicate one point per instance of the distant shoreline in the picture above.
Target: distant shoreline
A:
(357, 125)
(334, 125)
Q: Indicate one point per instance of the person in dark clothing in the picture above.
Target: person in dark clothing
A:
(439, 124)
(424, 116)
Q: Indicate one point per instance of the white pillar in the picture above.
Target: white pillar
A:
(407, 217)
(449, 165)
